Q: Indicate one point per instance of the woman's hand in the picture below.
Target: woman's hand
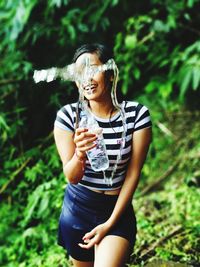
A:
(84, 141)
(72, 149)
(94, 236)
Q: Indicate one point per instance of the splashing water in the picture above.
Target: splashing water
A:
(72, 72)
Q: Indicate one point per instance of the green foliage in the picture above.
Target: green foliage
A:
(156, 46)
(35, 206)
(14, 16)
(146, 52)
(173, 203)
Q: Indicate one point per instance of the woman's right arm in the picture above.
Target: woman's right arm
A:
(72, 149)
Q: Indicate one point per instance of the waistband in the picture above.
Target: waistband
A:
(92, 202)
(84, 194)
(91, 207)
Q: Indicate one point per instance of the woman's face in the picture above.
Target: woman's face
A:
(95, 88)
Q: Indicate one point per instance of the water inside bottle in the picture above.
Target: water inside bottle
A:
(97, 156)
(99, 162)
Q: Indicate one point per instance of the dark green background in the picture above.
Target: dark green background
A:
(156, 46)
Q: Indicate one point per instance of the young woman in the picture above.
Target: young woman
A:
(97, 224)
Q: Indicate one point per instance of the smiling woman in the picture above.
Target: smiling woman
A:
(97, 224)
(95, 88)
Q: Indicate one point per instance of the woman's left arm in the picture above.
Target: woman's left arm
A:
(140, 144)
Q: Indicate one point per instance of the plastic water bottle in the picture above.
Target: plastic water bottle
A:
(97, 156)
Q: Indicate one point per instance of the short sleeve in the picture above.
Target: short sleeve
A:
(64, 119)
(143, 119)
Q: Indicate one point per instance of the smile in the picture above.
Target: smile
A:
(90, 87)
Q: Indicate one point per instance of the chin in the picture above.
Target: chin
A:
(92, 96)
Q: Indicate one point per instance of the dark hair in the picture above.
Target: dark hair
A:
(103, 52)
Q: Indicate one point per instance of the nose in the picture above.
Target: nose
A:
(87, 80)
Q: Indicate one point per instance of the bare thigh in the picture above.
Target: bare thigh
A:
(112, 251)
(82, 263)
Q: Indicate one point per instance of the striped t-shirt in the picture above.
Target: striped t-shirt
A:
(137, 117)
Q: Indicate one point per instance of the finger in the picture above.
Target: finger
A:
(86, 143)
(91, 243)
(86, 241)
(86, 148)
(84, 136)
(78, 131)
(90, 234)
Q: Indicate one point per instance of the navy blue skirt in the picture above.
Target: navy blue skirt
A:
(84, 209)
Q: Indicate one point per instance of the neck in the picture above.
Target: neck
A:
(102, 109)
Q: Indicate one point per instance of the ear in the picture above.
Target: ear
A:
(111, 78)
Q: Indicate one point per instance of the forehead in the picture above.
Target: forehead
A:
(91, 58)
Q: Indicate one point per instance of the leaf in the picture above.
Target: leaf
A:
(33, 201)
(151, 86)
(20, 18)
(171, 21)
(56, 3)
(114, 2)
(190, 3)
(3, 124)
(43, 205)
(83, 27)
(196, 78)
(185, 79)
(29, 232)
(131, 41)
(166, 89)
(72, 32)
(136, 73)
(160, 26)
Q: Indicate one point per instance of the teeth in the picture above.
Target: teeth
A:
(90, 87)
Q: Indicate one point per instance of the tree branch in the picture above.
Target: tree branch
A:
(24, 164)
(14, 174)
(190, 29)
(144, 253)
(155, 184)
(146, 38)
(7, 94)
(4, 82)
